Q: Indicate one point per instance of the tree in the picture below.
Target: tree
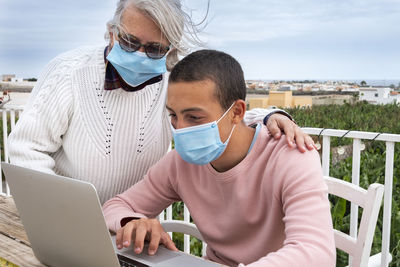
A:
(363, 83)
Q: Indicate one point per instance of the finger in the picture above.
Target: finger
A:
(127, 234)
(310, 143)
(289, 132)
(118, 238)
(273, 128)
(300, 142)
(154, 241)
(167, 241)
(141, 232)
(315, 146)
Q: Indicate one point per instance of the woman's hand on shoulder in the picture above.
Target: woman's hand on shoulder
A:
(295, 136)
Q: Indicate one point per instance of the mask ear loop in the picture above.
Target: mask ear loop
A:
(229, 137)
(225, 112)
(233, 128)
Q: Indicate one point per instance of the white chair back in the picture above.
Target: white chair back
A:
(176, 226)
(359, 248)
(186, 228)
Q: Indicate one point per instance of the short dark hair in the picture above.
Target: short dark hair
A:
(219, 67)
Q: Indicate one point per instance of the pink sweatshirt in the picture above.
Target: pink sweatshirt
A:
(269, 210)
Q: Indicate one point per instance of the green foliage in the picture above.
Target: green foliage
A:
(195, 244)
(361, 116)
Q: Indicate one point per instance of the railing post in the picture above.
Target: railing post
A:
(12, 119)
(5, 145)
(169, 216)
(387, 203)
(186, 238)
(203, 249)
(326, 149)
(1, 176)
(160, 216)
(355, 179)
(5, 134)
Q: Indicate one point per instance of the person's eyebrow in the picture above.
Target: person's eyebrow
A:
(191, 109)
(185, 110)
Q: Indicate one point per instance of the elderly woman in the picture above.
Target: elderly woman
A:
(98, 113)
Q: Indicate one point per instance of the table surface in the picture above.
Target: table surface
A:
(14, 244)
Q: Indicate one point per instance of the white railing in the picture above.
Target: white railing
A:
(8, 120)
(9, 117)
(390, 140)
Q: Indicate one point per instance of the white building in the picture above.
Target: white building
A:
(349, 88)
(287, 87)
(17, 80)
(7, 77)
(379, 95)
(327, 87)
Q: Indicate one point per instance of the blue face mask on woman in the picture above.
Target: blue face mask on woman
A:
(200, 144)
(135, 67)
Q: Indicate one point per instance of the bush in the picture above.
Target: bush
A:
(361, 116)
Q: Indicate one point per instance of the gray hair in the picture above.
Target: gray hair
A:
(174, 23)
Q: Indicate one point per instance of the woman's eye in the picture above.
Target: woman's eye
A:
(172, 115)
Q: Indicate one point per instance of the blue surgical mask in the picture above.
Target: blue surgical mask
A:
(135, 67)
(200, 144)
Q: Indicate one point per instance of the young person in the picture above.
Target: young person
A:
(255, 200)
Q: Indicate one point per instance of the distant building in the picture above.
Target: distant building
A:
(287, 87)
(351, 89)
(7, 77)
(256, 85)
(280, 99)
(326, 87)
(316, 87)
(283, 99)
(17, 80)
(379, 95)
(258, 103)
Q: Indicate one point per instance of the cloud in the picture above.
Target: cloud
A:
(33, 32)
(47, 23)
(309, 39)
(286, 38)
(260, 20)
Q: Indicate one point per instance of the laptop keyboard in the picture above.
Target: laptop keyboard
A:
(127, 262)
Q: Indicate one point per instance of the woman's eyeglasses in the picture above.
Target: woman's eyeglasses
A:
(131, 43)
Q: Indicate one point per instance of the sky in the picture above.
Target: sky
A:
(272, 39)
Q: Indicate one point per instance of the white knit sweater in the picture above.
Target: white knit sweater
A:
(73, 127)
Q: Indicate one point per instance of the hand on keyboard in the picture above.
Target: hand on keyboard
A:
(138, 230)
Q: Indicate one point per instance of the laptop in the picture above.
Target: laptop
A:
(66, 227)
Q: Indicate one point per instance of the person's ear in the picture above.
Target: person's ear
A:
(111, 39)
(239, 108)
(172, 58)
